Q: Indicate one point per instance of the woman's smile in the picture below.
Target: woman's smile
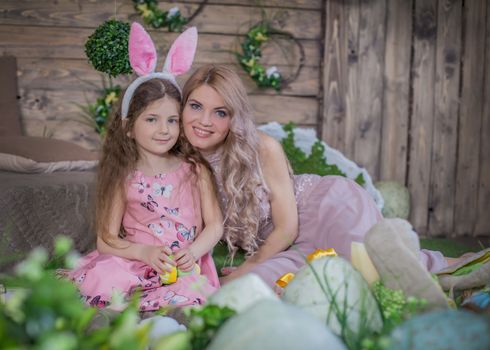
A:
(206, 119)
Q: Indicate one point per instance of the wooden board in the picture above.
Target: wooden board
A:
(393, 164)
(469, 126)
(74, 131)
(444, 142)
(421, 125)
(214, 18)
(51, 42)
(58, 105)
(350, 57)
(294, 4)
(333, 118)
(482, 226)
(370, 82)
(66, 75)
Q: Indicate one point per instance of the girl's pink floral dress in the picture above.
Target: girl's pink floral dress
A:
(161, 210)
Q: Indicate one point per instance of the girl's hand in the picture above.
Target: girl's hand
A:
(185, 259)
(157, 257)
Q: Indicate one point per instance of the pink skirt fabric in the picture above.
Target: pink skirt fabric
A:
(99, 276)
(161, 210)
(333, 212)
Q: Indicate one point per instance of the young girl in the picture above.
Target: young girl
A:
(153, 196)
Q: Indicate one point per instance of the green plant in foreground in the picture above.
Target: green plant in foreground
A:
(44, 311)
(395, 308)
(204, 323)
(315, 163)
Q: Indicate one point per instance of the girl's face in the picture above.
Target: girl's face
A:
(156, 129)
(206, 120)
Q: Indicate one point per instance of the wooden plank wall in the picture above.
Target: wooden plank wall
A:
(401, 87)
(48, 39)
(406, 95)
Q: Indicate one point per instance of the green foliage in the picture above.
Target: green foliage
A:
(251, 54)
(315, 163)
(157, 18)
(450, 247)
(395, 306)
(221, 256)
(97, 114)
(205, 323)
(107, 48)
(45, 311)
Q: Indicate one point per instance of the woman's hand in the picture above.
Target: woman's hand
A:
(185, 259)
(157, 257)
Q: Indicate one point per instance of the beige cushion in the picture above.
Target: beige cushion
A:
(42, 149)
(10, 162)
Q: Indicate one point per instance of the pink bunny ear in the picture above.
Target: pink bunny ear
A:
(181, 54)
(142, 52)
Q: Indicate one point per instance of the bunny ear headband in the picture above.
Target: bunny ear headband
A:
(143, 59)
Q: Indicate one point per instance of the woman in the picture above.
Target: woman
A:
(277, 218)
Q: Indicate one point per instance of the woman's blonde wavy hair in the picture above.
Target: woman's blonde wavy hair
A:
(120, 154)
(241, 172)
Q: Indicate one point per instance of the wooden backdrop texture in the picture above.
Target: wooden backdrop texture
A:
(401, 87)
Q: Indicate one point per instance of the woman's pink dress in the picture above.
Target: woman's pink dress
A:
(333, 212)
(161, 210)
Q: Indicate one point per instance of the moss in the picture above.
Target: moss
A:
(315, 163)
(107, 48)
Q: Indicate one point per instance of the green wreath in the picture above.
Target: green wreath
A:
(251, 54)
(172, 19)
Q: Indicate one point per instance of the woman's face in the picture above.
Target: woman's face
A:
(206, 120)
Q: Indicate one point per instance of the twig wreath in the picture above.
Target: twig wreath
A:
(250, 58)
(172, 19)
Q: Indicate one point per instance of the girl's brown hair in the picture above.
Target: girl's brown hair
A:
(120, 155)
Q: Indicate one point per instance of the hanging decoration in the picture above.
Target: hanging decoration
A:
(251, 53)
(171, 19)
(107, 51)
(107, 48)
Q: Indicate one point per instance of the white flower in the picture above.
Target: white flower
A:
(272, 71)
(174, 11)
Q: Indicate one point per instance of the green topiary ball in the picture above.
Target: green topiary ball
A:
(107, 48)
